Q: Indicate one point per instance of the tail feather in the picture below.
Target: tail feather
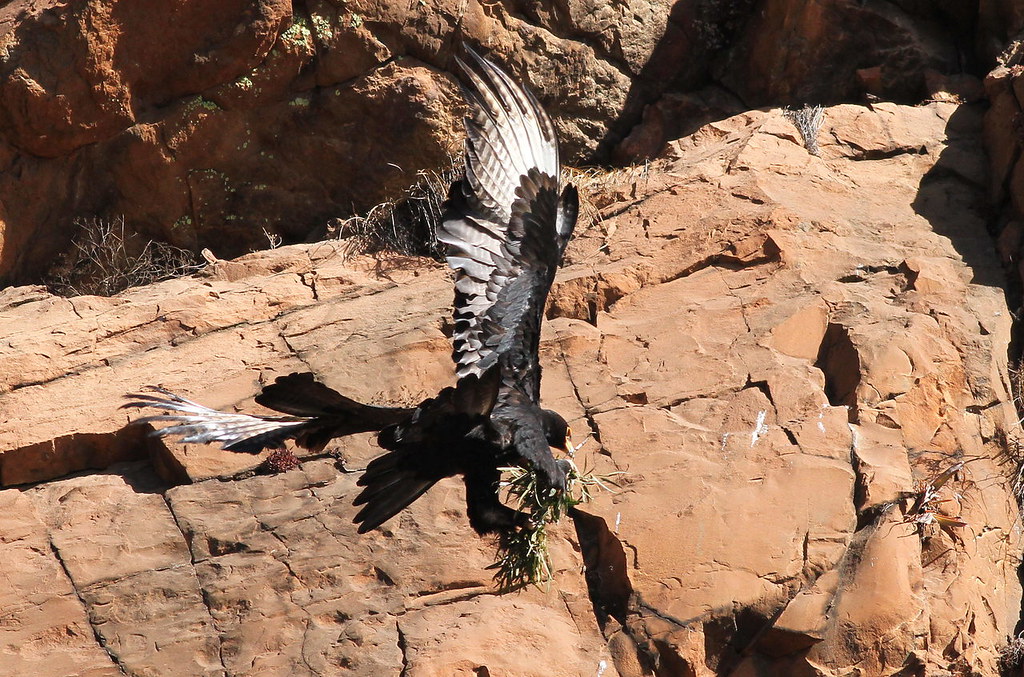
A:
(390, 484)
(318, 415)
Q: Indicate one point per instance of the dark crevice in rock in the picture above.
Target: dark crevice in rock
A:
(383, 576)
(588, 414)
(114, 658)
(862, 272)
(452, 597)
(867, 516)
(886, 153)
(309, 280)
(471, 586)
(839, 361)
(727, 259)
(642, 606)
(403, 647)
(675, 402)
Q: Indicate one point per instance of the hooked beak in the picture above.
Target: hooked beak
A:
(567, 445)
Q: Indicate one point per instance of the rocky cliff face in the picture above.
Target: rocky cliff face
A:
(780, 351)
(205, 123)
(798, 361)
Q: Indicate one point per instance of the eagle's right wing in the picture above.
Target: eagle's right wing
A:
(512, 170)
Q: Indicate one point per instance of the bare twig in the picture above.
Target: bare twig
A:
(407, 224)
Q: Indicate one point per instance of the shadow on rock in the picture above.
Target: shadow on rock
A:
(952, 197)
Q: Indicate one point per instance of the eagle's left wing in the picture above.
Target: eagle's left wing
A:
(508, 217)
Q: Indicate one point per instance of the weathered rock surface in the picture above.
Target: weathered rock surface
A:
(779, 350)
(207, 123)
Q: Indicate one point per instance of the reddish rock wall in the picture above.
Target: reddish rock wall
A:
(779, 350)
(205, 123)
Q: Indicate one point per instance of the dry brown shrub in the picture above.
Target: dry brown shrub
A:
(405, 225)
(104, 259)
(807, 121)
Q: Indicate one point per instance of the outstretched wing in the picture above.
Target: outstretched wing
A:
(196, 423)
(319, 414)
(508, 215)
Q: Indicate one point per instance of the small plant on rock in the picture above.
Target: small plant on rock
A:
(104, 260)
(807, 121)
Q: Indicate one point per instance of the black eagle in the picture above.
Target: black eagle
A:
(506, 225)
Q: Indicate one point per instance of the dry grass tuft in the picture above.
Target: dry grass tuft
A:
(406, 225)
(105, 260)
(807, 121)
(600, 188)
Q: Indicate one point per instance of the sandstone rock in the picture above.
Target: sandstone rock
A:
(45, 627)
(220, 124)
(779, 350)
(252, 120)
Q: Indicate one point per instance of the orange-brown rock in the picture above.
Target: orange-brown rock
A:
(212, 123)
(778, 350)
(218, 123)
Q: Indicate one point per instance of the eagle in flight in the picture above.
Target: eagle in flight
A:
(506, 225)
